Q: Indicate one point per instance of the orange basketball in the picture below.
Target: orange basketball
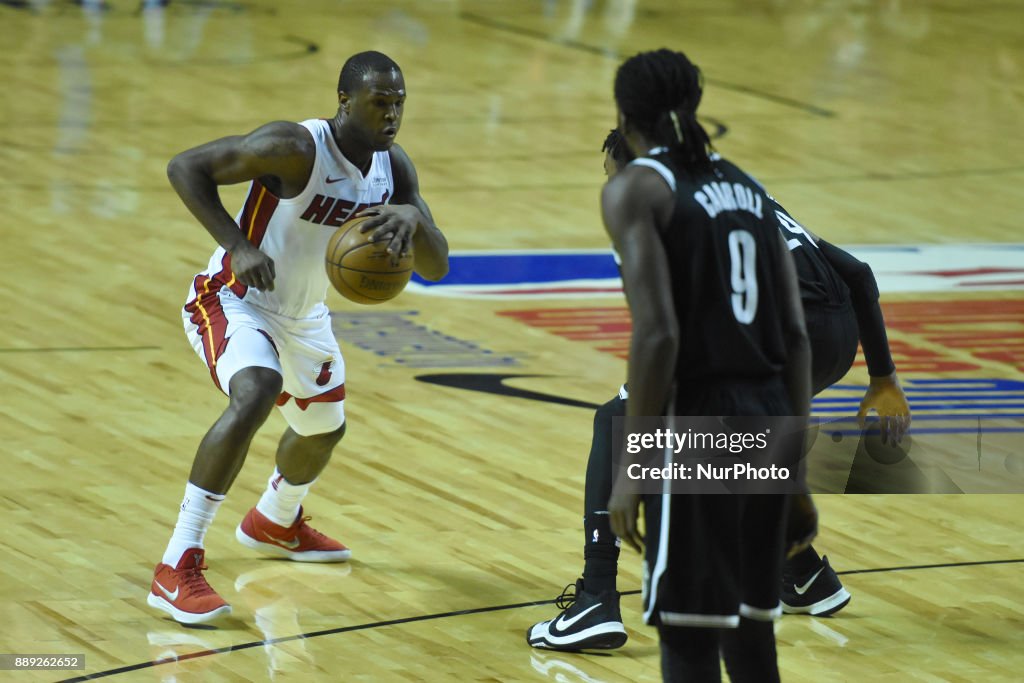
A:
(361, 270)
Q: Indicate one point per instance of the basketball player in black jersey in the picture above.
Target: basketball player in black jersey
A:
(718, 330)
(829, 280)
(840, 301)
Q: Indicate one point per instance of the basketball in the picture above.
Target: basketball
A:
(362, 271)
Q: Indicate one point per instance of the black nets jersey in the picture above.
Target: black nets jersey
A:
(722, 245)
(820, 284)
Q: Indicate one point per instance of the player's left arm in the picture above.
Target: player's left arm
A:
(406, 222)
(633, 203)
(884, 394)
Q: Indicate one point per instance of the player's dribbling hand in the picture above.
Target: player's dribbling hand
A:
(392, 223)
(623, 511)
(252, 267)
(886, 397)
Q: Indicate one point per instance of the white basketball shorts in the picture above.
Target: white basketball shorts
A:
(229, 334)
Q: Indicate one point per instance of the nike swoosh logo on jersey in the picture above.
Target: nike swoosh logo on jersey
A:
(292, 544)
(335, 180)
(563, 624)
(800, 590)
(170, 596)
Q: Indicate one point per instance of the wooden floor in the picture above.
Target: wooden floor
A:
(877, 123)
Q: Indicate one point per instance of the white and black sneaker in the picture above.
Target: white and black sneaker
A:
(587, 622)
(818, 592)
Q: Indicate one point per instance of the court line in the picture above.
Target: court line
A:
(928, 566)
(305, 49)
(58, 349)
(445, 615)
(614, 54)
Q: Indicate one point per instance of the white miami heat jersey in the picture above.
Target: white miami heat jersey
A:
(294, 232)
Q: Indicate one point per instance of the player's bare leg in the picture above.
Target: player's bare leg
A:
(590, 616)
(276, 525)
(179, 587)
(301, 459)
(222, 451)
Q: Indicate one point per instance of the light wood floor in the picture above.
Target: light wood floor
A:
(887, 122)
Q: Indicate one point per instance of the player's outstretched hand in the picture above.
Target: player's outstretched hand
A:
(623, 511)
(252, 267)
(886, 397)
(392, 223)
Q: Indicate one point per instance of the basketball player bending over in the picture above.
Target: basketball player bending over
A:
(257, 316)
(840, 302)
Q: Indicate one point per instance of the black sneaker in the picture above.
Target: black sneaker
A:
(587, 622)
(818, 592)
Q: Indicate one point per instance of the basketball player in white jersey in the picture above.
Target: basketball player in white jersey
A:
(257, 316)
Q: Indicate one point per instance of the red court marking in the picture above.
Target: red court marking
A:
(987, 329)
(970, 271)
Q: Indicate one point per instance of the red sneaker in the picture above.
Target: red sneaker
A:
(183, 592)
(299, 541)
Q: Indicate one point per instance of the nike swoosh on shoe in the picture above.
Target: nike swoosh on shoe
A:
(170, 596)
(561, 624)
(290, 545)
(800, 590)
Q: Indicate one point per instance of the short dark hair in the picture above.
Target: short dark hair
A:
(358, 66)
(658, 92)
(616, 146)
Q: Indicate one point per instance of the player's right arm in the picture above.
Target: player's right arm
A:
(884, 395)
(633, 204)
(279, 154)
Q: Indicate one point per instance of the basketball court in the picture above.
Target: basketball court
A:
(889, 127)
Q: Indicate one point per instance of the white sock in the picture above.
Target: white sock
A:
(280, 502)
(197, 512)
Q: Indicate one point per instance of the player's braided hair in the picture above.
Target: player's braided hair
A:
(616, 146)
(359, 65)
(659, 92)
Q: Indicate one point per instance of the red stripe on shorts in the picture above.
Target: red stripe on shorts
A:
(208, 316)
(332, 396)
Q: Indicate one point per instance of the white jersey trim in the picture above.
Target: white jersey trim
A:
(661, 168)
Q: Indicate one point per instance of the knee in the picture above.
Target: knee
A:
(331, 439)
(254, 392)
(322, 442)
